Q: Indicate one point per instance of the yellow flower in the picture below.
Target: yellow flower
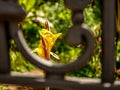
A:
(46, 43)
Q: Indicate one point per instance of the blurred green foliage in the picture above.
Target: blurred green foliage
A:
(59, 18)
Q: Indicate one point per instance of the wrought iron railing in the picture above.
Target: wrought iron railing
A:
(11, 13)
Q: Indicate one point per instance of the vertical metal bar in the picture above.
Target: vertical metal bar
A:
(108, 36)
(4, 52)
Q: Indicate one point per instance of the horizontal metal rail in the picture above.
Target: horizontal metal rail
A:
(70, 83)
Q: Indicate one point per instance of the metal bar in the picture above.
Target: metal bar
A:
(68, 84)
(108, 37)
(4, 53)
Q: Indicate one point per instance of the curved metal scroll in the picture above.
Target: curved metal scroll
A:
(77, 33)
(48, 66)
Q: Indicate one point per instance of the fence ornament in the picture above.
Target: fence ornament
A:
(10, 15)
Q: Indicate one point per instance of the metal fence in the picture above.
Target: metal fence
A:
(11, 13)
